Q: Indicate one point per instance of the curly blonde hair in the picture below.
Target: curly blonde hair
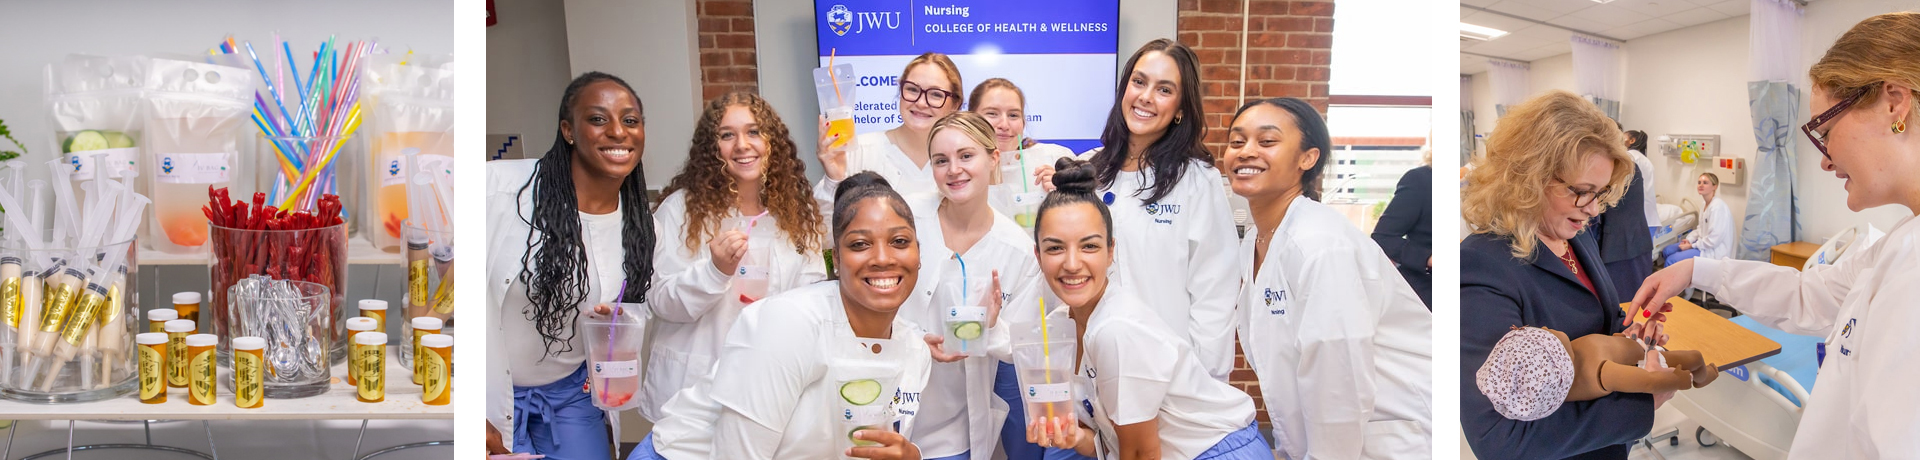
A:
(711, 191)
(1506, 190)
(1879, 49)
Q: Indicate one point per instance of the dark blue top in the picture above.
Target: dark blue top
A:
(1498, 291)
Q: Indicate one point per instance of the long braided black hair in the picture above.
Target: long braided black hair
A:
(556, 273)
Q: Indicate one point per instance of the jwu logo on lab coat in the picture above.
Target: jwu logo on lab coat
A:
(1158, 210)
(1272, 296)
(1847, 330)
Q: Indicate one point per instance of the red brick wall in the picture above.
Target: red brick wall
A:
(727, 61)
(1288, 51)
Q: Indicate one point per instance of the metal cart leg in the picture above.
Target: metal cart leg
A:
(402, 447)
(356, 439)
(210, 446)
(11, 429)
(70, 449)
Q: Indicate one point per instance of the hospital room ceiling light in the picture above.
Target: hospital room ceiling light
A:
(1603, 2)
(1481, 33)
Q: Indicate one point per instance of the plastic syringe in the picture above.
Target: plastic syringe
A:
(113, 327)
(92, 300)
(68, 308)
(442, 251)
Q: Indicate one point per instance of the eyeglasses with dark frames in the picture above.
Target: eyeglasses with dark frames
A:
(1812, 127)
(913, 92)
(1583, 199)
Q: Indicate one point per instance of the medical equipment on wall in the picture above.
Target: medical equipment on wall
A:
(1728, 168)
(1690, 148)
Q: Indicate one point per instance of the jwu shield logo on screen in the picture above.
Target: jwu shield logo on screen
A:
(840, 19)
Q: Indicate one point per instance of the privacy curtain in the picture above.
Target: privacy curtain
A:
(1466, 119)
(1510, 84)
(1774, 103)
(1597, 73)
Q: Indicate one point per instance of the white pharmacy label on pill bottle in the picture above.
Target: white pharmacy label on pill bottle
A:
(193, 168)
(1049, 392)
(615, 369)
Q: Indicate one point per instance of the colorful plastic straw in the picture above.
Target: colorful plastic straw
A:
(1046, 353)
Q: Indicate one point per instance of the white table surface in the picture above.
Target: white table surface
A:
(338, 403)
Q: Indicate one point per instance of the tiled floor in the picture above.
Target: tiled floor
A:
(1689, 449)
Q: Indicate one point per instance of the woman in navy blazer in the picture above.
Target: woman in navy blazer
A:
(1553, 164)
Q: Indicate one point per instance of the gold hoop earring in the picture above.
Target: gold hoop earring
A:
(1899, 126)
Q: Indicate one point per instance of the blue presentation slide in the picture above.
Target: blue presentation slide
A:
(1060, 53)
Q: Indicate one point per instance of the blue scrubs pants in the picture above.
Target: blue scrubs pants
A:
(559, 420)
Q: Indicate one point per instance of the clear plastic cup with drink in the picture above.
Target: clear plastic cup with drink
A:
(751, 279)
(613, 354)
(865, 390)
(1044, 367)
(964, 320)
(834, 88)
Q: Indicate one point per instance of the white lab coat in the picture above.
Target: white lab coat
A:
(875, 152)
(1715, 237)
(1134, 369)
(1179, 254)
(691, 308)
(1007, 248)
(772, 392)
(1651, 207)
(1864, 306)
(1341, 344)
(508, 212)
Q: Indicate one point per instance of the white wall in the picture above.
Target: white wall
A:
(527, 70)
(1692, 81)
(786, 49)
(1824, 195)
(1546, 74)
(651, 45)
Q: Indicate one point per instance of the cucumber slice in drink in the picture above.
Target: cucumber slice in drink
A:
(118, 140)
(84, 141)
(967, 331)
(860, 392)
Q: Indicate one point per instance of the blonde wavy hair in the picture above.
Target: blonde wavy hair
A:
(1884, 48)
(1549, 135)
(977, 130)
(711, 191)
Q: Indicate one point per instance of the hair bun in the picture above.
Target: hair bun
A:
(862, 179)
(1073, 175)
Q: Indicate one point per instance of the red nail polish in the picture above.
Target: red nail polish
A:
(1646, 313)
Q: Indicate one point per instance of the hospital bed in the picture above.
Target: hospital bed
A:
(1675, 222)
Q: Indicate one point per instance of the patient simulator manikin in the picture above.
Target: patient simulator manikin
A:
(1533, 370)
